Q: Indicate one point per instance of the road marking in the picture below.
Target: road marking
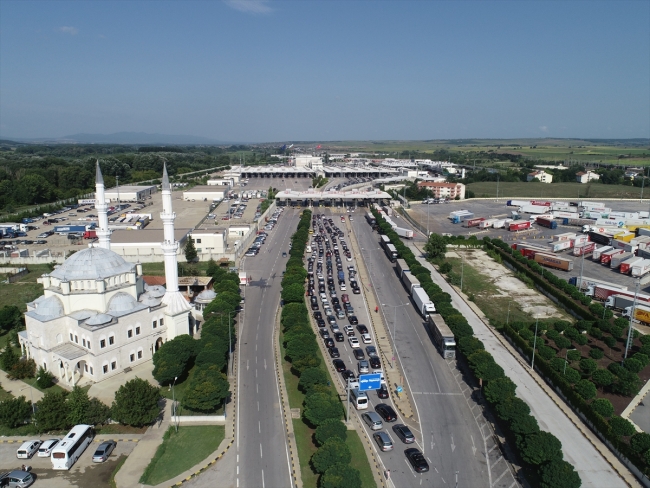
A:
(435, 393)
(259, 428)
(261, 450)
(264, 363)
(500, 476)
(255, 372)
(247, 365)
(453, 446)
(258, 406)
(473, 445)
(262, 478)
(257, 387)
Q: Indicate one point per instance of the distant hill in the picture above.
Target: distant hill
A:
(136, 138)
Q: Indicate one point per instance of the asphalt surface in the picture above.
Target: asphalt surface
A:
(452, 432)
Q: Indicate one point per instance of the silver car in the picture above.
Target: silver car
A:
(363, 367)
(16, 479)
(103, 451)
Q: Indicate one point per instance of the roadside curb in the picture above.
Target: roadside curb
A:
(286, 407)
(568, 412)
(15, 441)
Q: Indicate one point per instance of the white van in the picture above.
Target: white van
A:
(359, 399)
(27, 449)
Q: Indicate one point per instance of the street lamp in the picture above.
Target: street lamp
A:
(395, 307)
(532, 364)
(629, 330)
(230, 341)
(174, 403)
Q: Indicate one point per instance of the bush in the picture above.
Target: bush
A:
(136, 403)
(642, 358)
(340, 476)
(602, 377)
(603, 407)
(311, 377)
(572, 375)
(586, 389)
(621, 426)
(559, 474)
(573, 355)
(546, 352)
(631, 364)
(588, 366)
(610, 341)
(640, 442)
(329, 429)
(333, 452)
(320, 407)
(596, 353)
(23, 368)
(540, 448)
(15, 412)
(44, 379)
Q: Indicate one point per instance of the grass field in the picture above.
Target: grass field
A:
(25, 290)
(182, 450)
(572, 191)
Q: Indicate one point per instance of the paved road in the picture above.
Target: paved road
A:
(454, 435)
(259, 457)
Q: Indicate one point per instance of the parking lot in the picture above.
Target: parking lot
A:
(83, 474)
(436, 215)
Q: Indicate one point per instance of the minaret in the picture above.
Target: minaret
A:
(103, 233)
(177, 310)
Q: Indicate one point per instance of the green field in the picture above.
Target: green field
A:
(23, 291)
(488, 189)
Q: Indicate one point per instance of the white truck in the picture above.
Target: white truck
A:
(402, 232)
(401, 267)
(533, 209)
(410, 281)
(422, 301)
(442, 336)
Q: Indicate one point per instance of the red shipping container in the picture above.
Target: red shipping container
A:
(519, 226)
(543, 204)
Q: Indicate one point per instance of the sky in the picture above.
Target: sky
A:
(265, 71)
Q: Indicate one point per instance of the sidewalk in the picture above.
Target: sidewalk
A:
(595, 463)
(394, 375)
(20, 388)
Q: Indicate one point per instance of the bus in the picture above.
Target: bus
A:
(66, 453)
(371, 218)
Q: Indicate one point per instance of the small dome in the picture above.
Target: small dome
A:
(50, 307)
(156, 291)
(92, 264)
(205, 296)
(83, 314)
(99, 319)
(121, 302)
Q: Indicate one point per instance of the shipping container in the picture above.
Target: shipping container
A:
(626, 266)
(587, 204)
(409, 281)
(545, 222)
(499, 224)
(584, 249)
(401, 267)
(640, 269)
(564, 237)
(473, 222)
(641, 313)
(597, 252)
(606, 257)
(617, 260)
(565, 215)
(625, 236)
(533, 209)
(600, 238)
(577, 240)
(560, 245)
(601, 292)
(554, 261)
(517, 203)
(515, 226)
(486, 224)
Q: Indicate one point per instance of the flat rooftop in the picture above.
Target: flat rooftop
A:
(145, 236)
(207, 188)
(128, 188)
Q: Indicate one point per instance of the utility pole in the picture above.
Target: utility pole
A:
(532, 364)
(629, 330)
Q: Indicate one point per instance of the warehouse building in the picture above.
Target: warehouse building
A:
(130, 193)
(208, 193)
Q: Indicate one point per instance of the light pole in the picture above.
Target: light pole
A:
(532, 364)
(462, 271)
(395, 307)
(230, 341)
(629, 330)
(174, 404)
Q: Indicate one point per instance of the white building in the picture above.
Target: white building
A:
(542, 176)
(586, 177)
(208, 193)
(97, 316)
(306, 161)
(222, 182)
(130, 193)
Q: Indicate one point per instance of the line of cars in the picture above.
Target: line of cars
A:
(325, 248)
(262, 235)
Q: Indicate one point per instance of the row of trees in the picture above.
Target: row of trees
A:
(203, 362)
(322, 407)
(136, 404)
(541, 450)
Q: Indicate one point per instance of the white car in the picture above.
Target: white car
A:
(343, 287)
(365, 338)
(354, 342)
(27, 449)
(46, 448)
(349, 330)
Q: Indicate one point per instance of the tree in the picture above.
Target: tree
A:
(627, 383)
(44, 379)
(320, 407)
(97, 413)
(293, 293)
(559, 474)
(207, 389)
(499, 390)
(640, 442)
(524, 425)
(329, 429)
(572, 375)
(24, 368)
(333, 452)
(173, 358)
(10, 318)
(586, 389)
(588, 366)
(136, 403)
(436, 246)
(77, 404)
(602, 377)
(52, 412)
(14, 412)
(311, 377)
(340, 476)
(540, 448)
(610, 341)
(190, 251)
(633, 365)
(8, 358)
(512, 409)
(596, 353)
(603, 407)
(621, 426)
(484, 367)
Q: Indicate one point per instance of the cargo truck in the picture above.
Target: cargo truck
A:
(66, 229)
(391, 252)
(553, 261)
(402, 232)
(473, 222)
(626, 266)
(486, 224)
(401, 267)
(560, 246)
(565, 236)
(499, 224)
(462, 218)
(90, 234)
(515, 226)
(409, 281)
(617, 260)
(584, 249)
(244, 279)
(606, 257)
(641, 313)
(622, 301)
(534, 209)
(442, 336)
(422, 301)
(640, 269)
(601, 292)
(545, 222)
(599, 251)
(600, 238)
(577, 222)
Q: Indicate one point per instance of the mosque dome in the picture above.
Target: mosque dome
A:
(121, 302)
(92, 264)
(156, 291)
(99, 319)
(50, 307)
(206, 296)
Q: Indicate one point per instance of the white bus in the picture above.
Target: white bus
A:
(66, 453)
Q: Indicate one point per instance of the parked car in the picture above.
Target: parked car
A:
(417, 460)
(46, 447)
(27, 449)
(17, 479)
(103, 451)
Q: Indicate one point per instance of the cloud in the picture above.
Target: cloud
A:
(543, 128)
(69, 30)
(250, 6)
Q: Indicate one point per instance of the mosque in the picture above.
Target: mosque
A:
(97, 316)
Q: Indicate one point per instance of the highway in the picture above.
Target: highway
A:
(452, 432)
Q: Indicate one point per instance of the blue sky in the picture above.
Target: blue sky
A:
(261, 71)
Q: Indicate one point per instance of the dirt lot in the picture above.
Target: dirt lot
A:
(83, 474)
